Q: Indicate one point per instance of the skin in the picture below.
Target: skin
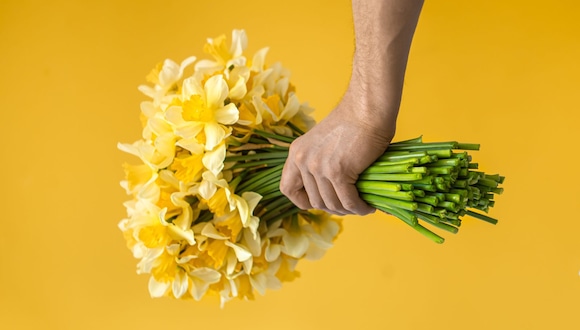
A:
(324, 164)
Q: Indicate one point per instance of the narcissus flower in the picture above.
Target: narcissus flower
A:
(204, 218)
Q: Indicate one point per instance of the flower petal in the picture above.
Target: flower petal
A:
(157, 289)
(239, 90)
(272, 251)
(241, 253)
(191, 86)
(295, 244)
(214, 135)
(259, 60)
(185, 63)
(169, 73)
(216, 91)
(239, 42)
(202, 278)
(180, 284)
(228, 115)
(210, 231)
(214, 160)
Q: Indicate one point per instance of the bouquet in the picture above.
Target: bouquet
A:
(207, 216)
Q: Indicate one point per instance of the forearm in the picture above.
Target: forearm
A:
(383, 30)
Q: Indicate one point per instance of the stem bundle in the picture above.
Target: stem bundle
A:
(417, 182)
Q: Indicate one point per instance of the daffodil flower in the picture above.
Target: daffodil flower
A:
(206, 106)
(185, 223)
(201, 279)
(165, 77)
(223, 56)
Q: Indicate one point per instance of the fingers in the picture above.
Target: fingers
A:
(350, 200)
(308, 192)
(322, 195)
(292, 187)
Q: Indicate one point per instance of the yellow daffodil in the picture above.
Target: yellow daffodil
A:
(224, 56)
(136, 176)
(321, 231)
(192, 221)
(287, 270)
(201, 279)
(206, 106)
(166, 274)
(165, 78)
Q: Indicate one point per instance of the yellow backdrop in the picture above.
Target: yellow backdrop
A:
(501, 73)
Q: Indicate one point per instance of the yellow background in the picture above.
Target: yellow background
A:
(501, 73)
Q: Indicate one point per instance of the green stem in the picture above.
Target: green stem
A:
(295, 128)
(411, 161)
(268, 188)
(391, 177)
(440, 153)
(429, 234)
(380, 200)
(436, 223)
(400, 195)
(379, 185)
(292, 211)
(423, 146)
(418, 139)
(425, 187)
(407, 217)
(441, 170)
(274, 136)
(418, 193)
(260, 155)
(260, 163)
(445, 162)
(467, 146)
(271, 195)
(277, 210)
(261, 178)
(431, 200)
(482, 217)
(396, 157)
(388, 169)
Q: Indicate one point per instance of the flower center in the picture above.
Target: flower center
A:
(195, 109)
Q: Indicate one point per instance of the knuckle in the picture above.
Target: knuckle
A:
(315, 167)
(351, 206)
(319, 205)
(284, 189)
(334, 173)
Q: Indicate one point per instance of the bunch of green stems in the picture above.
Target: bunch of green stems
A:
(417, 182)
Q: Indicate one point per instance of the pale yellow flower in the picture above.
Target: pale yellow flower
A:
(165, 78)
(189, 126)
(273, 241)
(157, 154)
(201, 279)
(224, 56)
(166, 273)
(203, 107)
(321, 231)
(210, 184)
(135, 177)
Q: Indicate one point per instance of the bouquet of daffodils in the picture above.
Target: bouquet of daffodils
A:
(206, 215)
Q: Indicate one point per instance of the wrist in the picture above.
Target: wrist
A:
(368, 101)
(364, 109)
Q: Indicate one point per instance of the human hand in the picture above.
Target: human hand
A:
(324, 164)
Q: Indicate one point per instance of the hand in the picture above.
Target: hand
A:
(324, 164)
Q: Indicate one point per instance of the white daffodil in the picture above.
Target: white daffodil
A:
(245, 205)
(201, 279)
(165, 78)
(224, 57)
